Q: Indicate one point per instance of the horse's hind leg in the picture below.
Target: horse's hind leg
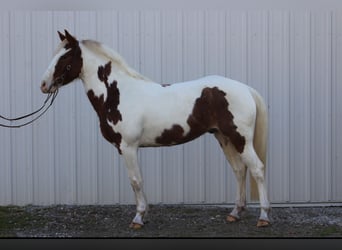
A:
(240, 170)
(256, 167)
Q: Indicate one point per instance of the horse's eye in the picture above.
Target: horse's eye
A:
(68, 67)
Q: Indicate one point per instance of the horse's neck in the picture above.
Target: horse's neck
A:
(125, 77)
(90, 74)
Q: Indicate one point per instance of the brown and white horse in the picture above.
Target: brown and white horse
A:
(136, 112)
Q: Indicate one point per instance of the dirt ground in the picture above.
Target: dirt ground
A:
(165, 221)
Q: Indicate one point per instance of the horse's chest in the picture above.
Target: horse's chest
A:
(108, 113)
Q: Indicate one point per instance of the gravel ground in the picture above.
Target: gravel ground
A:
(165, 221)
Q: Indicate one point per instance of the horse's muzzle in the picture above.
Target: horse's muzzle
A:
(45, 89)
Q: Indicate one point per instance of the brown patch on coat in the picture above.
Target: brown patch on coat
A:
(172, 136)
(103, 72)
(69, 65)
(107, 110)
(210, 114)
(113, 94)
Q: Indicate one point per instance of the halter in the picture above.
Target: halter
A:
(58, 82)
(50, 95)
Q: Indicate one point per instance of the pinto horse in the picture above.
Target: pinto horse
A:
(136, 112)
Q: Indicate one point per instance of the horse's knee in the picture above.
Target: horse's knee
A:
(257, 171)
(254, 164)
(136, 184)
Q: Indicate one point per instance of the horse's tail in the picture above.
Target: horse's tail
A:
(260, 136)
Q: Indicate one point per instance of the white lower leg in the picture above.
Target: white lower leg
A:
(240, 203)
(138, 219)
(130, 154)
(257, 170)
(264, 214)
(236, 212)
(140, 201)
(264, 203)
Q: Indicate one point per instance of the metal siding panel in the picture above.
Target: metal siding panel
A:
(5, 107)
(43, 146)
(336, 173)
(257, 51)
(193, 62)
(172, 46)
(108, 158)
(172, 71)
(237, 44)
(173, 174)
(193, 45)
(216, 185)
(86, 124)
(150, 44)
(214, 39)
(129, 37)
(150, 160)
(279, 105)
(150, 57)
(320, 106)
(21, 90)
(300, 107)
(65, 126)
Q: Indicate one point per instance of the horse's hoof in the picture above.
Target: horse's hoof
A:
(263, 223)
(135, 226)
(231, 218)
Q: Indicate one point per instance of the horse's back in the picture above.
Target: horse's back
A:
(221, 82)
(238, 94)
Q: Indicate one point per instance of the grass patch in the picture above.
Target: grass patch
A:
(8, 221)
(12, 219)
(330, 231)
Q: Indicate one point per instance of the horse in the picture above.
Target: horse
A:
(136, 112)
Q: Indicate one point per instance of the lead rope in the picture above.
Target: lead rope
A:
(50, 95)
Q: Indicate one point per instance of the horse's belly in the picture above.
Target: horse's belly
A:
(174, 135)
(160, 132)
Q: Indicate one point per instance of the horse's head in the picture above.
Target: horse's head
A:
(65, 66)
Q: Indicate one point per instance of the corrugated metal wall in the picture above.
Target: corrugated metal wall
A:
(292, 58)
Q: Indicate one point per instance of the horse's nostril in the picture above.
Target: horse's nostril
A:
(43, 87)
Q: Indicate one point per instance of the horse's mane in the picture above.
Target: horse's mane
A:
(114, 57)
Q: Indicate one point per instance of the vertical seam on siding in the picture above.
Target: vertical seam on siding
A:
(310, 101)
(330, 198)
(31, 102)
(10, 53)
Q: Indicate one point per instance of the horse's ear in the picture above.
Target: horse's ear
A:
(69, 37)
(61, 36)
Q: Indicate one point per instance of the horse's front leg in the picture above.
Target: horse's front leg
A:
(131, 158)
